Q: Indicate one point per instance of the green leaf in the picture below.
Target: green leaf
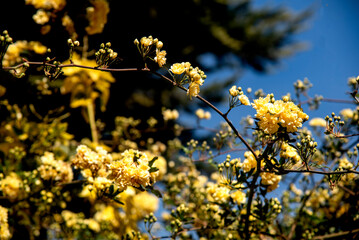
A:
(154, 191)
(153, 169)
(150, 163)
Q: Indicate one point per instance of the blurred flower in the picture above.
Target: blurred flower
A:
(244, 100)
(41, 17)
(201, 114)
(97, 16)
(270, 179)
(318, 122)
(169, 114)
(4, 225)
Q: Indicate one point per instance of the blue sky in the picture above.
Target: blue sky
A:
(329, 59)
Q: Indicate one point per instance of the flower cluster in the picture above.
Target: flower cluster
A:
(270, 179)
(12, 186)
(237, 97)
(169, 114)
(4, 225)
(132, 168)
(275, 114)
(54, 170)
(145, 46)
(185, 73)
(201, 114)
(14, 51)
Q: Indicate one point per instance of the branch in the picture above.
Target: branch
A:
(320, 172)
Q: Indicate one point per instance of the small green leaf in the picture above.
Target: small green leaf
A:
(150, 163)
(153, 169)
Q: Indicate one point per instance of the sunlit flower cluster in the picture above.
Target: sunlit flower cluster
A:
(188, 74)
(145, 47)
(289, 152)
(54, 170)
(218, 193)
(238, 97)
(274, 114)
(14, 51)
(238, 196)
(249, 162)
(344, 163)
(4, 225)
(270, 179)
(101, 170)
(12, 186)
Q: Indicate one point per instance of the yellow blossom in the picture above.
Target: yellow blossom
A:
(244, 100)
(217, 193)
(41, 17)
(273, 115)
(97, 16)
(57, 5)
(270, 179)
(239, 196)
(318, 122)
(55, 170)
(178, 68)
(193, 90)
(4, 225)
(201, 114)
(160, 57)
(347, 113)
(11, 186)
(233, 91)
(169, 114)
(289, 152)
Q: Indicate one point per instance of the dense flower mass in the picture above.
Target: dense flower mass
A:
(131, 168)
(4, 225)
(274, 114)
(54, 170)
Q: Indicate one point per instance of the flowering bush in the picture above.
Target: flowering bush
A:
(125, 183)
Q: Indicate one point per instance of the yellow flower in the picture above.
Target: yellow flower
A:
(244, 100)
(11, 186)
(289, 152)
(249, 161)
(160, 57)
(193, 90)
(217, 193)
(273, 115)
(144, 203)
(201, 114)
(57, 5)
(347, 113)
(233, 91)
(270, 179)
(4, 225)
(97, 16)
(14, 51)
(169, 114)
(318, 122)
(239, 196)
(41, 17)
(55, 170)
(178, 68)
